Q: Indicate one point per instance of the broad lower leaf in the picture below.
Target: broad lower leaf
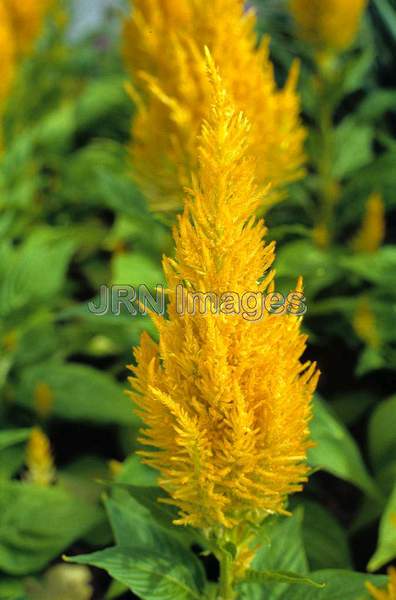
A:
(151, 576)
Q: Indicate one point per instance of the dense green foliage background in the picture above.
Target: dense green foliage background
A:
(72, 219)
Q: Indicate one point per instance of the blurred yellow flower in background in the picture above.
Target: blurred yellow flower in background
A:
(39, 461)
(390, 592)
(20, 24)
(26, 19)
(43, 400)
(226, 402)
(7, 55)
(164, 51)
(364, 323)
(372, 231)
(330, 25)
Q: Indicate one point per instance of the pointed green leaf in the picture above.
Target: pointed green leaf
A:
(386, 548)
(337, 452)
(150, 575)
(80, 393)
(280, 577)
(11, 437)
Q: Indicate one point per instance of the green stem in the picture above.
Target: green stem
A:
(328, 185)
(226, 583)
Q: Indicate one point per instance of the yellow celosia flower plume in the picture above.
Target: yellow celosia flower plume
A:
(372, 231)
(329, 25)
(225, 400)
(389, 593)
(39, 461)
(164, 45)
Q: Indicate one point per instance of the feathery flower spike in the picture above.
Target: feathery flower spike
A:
(225, 401)
(164, 45)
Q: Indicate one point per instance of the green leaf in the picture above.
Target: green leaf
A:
(370, 360)
(325, 540)
(115, 590)
(336, 451)
(136, 269)
(148, 500)
(376, 104)
(378, 268)
(80, 393)
(387, 13)
(134, 472)
(11, 437)
(381, 434)
(280, 548)
(319, 268)
(11, 588)
(148, 558)
(150, 576)
(261, 577)
(357, 69)
(353, 147)
(386, 548)
(339, 585)
(26, 280)
(149, 497)
(37, 524)
(11, 461)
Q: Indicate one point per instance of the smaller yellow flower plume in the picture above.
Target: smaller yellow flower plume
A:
(372, 231)
(164, 43)
(39, 461)
(329, 25)
(364, 323)
(43, 399)
(389, 593)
